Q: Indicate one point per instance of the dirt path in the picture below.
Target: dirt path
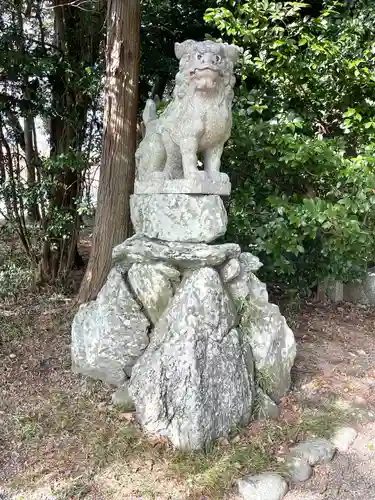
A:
(335, 356)
(335, 369)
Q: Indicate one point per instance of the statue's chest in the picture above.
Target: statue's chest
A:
(214, 113)
(215, 124)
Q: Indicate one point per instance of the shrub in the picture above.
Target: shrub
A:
(301, 153)
(304, 208)
(14, 279)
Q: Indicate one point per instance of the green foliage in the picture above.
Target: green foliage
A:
(265, 380)
(163, 23)
(52, 68)
(301, 152)
(14, 280)
(16, 270)
(303, 207)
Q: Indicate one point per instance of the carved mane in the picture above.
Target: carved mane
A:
(186, 51)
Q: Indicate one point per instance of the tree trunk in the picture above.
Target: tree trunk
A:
(112, 223)
(31, 161)
(27, 142)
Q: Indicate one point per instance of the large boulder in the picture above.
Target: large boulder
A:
(173, 217)
(264, 329)
(154, 285)
(273, 345)
(194, 382)
(139, 248)
(110, 333)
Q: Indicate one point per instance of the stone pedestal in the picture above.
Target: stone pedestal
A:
(362, 292)
(179, 217)
(184, 186)
(185, 324)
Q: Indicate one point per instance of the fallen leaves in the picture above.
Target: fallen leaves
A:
(129, 417)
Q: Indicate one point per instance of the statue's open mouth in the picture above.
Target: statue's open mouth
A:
(205, 71)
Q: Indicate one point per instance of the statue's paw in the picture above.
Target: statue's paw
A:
(156, 176)
(219, 177)
(199, 176)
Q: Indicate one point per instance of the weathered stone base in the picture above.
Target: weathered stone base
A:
(110, 333)
(214, 338)
(179, 217)
(184, 186)
(195, 382)
(141, 249)
(361, 293)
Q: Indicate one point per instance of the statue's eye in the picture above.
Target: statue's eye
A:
(217, 58)
(199, 57)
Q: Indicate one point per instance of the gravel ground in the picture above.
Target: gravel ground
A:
(350, 476)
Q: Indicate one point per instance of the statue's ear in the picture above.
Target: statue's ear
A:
(232, 52)
(183, 48)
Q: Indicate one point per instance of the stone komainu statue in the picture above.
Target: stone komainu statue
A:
(197, 120)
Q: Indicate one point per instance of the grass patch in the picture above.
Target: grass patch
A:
(101, 437)
(78, 489)
(213, 473)
(324, 421)
(117, 442)
(27, 427)
(11, 328)
(265, 380)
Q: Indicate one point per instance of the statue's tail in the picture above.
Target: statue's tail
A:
(149, 113)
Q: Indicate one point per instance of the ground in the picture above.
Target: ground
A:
(62, 438)
(340, 346)
(351, 476)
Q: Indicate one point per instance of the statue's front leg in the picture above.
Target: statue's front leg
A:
(212, 162)
(189, 150)
(173, 167)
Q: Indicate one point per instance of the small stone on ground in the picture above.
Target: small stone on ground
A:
(350, 476)
(266, 408)
(314, 451)
(121, 397)
(298, 469)
(268, 486)
(343, 438)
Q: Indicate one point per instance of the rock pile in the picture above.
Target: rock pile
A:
(189, 327)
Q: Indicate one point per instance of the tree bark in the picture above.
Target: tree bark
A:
(31, 162)
(112, 223)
